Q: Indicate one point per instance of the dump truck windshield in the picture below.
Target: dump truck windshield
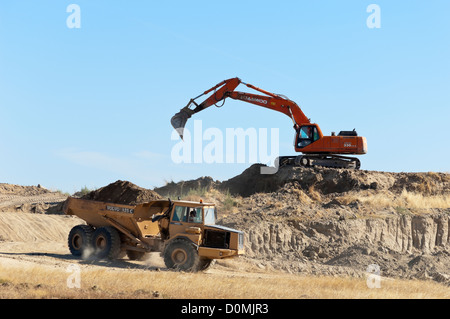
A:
(210, 216)
(187, 214)
(195, 215)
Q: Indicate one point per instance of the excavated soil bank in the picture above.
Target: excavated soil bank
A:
(328, 180)
(324, 180)
(30, 199)
(182, 188)
(398, 244)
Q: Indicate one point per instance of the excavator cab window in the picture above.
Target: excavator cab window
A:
(306, 135)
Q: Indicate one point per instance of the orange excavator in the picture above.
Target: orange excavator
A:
(317, 149)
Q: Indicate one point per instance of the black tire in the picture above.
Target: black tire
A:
(80, 240)
(181, 255)
(106, 243)
(135, 255)
(357, 164)
(206, 263)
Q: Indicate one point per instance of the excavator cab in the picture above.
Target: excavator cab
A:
(306, 134)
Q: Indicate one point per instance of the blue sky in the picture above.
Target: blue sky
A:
(88, 106)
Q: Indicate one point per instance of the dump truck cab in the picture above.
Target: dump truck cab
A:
(196, 222)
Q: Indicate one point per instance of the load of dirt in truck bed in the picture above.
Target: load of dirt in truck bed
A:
(123, 192)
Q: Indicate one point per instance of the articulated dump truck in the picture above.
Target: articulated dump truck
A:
(184, 232)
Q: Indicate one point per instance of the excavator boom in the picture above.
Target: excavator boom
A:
(318, 149)
(226, 89)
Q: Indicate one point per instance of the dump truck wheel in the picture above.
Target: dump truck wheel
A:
(181, 255)
(106, 243)
(80, 239)
(205, 263)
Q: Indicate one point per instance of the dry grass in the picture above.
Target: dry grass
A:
(225, 202)
(406, 199)
(44, 282)
(314, 194)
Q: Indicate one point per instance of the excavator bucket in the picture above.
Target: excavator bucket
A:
(179, 120)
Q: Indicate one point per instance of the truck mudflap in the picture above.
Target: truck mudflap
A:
(214, 253)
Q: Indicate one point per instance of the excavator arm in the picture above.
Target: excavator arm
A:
(226, 89)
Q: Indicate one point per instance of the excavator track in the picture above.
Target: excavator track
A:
(320, 160)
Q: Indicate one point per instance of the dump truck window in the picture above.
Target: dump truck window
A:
(210, 218)
(179, 214)
(187, 214)
(195, 215)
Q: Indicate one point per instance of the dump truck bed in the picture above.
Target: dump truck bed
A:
(136, 220)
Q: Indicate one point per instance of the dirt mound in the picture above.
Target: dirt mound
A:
(123, 192)
(30, 199)
(18, 190)
(329, 180)
(430, 183)
(324, 180)
(251, 181)
(28, 227)
(182, 188)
